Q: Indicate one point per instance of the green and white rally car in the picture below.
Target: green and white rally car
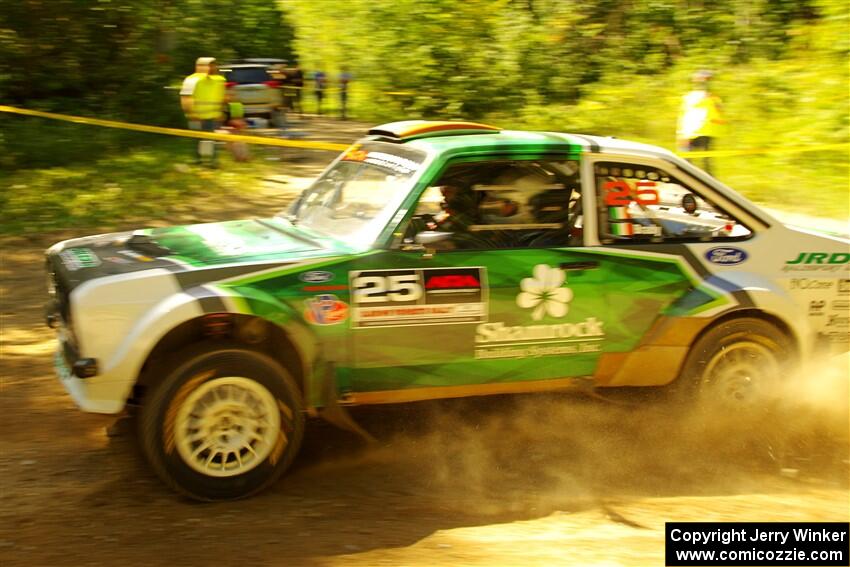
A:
(435, 260)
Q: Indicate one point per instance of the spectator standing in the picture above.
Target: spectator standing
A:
(700, 117)
(202, 99)
(344, 80)
(321, 83)
(296, 83)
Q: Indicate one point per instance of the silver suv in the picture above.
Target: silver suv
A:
(253, 86)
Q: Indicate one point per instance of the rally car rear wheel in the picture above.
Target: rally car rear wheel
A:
(738, 365)
(734, 376)
(224, 423)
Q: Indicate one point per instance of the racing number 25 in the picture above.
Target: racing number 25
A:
(374, 289)
(618, 193)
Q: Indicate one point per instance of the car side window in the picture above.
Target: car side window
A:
(645, 203)
(500, 205)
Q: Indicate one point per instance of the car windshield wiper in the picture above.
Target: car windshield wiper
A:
(288, 217)
(293, 234)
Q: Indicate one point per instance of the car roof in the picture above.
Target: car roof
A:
(263, 60)
(444, 136)
(245, 66)
(523, 141)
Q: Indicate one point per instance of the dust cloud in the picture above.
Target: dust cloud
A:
(568, 452)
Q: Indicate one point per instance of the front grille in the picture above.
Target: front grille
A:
(69, 352)
(60, 292)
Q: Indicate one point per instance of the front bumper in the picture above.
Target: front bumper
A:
(79, 367)
(259, 108)
(97, 394)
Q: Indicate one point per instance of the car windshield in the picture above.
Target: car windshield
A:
(356, 197)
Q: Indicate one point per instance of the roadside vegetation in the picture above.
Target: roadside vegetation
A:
(609, 68)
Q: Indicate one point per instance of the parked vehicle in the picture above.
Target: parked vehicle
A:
(253, 85)
(436, 260)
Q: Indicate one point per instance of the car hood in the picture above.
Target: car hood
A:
(238, 245)
(235, 241)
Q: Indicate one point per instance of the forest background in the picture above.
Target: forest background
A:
(605, 67)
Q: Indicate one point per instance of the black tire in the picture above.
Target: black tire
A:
(742, 408)
(762, 349)
(200, 375)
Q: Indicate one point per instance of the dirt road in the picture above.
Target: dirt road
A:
(533, 480)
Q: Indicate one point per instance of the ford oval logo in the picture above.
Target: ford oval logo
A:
(316, 277)
(726, 255)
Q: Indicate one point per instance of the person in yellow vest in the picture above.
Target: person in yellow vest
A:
(700, 118)
(202, 98)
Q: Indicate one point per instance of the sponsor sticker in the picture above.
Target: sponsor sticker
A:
(545, 295)
(77, 258)
(534, 351)
(315, 276)
(816, 306)
(809, 283)
(325, 309)
(394, 163)
(838, 337)
(333, 287)
(726, 255)
(430, 296)
(818, 261)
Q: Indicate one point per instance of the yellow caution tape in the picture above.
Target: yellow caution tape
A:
(335, 147)
(306, 144)
(338, 89)
(754, 151)
(313, 89)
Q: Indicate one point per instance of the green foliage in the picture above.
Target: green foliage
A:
(115, 58)
(474, 57)
(608, 67)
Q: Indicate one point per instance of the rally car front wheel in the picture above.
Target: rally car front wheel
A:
(224, 423)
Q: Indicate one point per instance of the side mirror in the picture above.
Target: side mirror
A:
(431, 237)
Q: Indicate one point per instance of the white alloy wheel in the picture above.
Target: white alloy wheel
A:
(227, 426)
(739, 374)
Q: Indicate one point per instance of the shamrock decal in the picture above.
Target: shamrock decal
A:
(544, 293)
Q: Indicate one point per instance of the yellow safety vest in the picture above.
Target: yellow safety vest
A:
(699, 116)
(208, 98)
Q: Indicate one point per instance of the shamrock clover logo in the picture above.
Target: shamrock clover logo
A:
(544, 293)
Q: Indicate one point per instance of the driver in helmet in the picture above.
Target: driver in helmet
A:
(457, 210)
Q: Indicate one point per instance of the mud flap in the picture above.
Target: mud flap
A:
(336, 414)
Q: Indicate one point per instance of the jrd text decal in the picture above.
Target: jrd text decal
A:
(818, 261)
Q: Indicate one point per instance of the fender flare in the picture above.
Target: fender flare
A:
(202, 300)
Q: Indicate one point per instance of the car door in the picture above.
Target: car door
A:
(511, 301)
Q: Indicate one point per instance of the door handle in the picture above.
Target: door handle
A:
(591, 265)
